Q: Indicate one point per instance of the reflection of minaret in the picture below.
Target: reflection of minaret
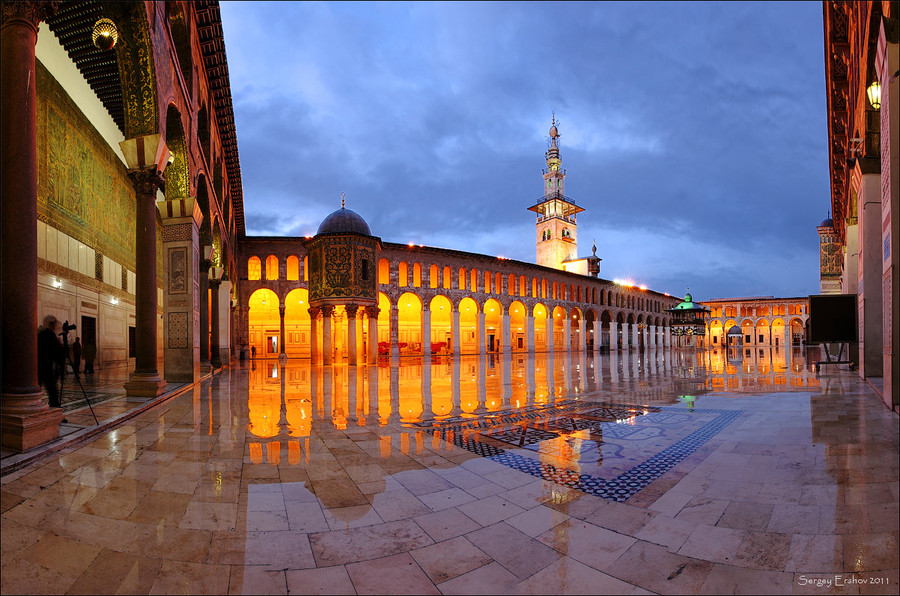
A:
(556, 229)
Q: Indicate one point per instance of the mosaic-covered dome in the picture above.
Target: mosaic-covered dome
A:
(344, 221)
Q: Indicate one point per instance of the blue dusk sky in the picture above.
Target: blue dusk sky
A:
(694, 135)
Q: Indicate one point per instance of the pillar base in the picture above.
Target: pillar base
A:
(144, 385)
(22, 432)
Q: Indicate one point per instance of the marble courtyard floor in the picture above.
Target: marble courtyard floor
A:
(664, 472)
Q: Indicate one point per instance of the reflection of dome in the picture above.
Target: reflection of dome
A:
(344, 221)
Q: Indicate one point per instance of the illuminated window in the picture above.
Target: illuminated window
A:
(293, 268)
(254, 269)
(272, 267)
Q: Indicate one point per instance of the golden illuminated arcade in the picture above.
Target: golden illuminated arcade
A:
(345, 294)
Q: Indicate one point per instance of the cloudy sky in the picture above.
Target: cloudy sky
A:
(694, 135)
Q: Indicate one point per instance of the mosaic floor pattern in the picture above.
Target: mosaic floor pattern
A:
(609, 450)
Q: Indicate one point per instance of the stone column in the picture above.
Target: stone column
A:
(479, 332)
(506, 335)
(886, 64)
(550, 332)
(635, 341)
(351, 310)
(529, 333)
(613, 336)
(567, 334)
(867, 178)
(395, 331)
(26, 421)
(181, 291)
(281, 351)
(426, 332)
(456, 334)
(582, 340)
(145, 381)
(668, 336)
(314, 356)
(372, 314)
(651, 336)
(203, 273)
(598, 335)
(215, 360)
(327, 345)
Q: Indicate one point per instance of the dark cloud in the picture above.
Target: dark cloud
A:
(698, 124)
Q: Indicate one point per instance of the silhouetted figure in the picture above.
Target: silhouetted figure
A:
(90, 354)
(76, 356)
(50, 354)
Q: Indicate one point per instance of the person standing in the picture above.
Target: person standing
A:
(50, 352)
(76, 356)
(90, 353)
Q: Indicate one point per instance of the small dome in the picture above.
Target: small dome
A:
(688, 297)
(827, 223)
(344, 221)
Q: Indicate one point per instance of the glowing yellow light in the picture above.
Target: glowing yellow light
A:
(874, 94)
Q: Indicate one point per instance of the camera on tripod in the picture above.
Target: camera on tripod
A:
(66, 328)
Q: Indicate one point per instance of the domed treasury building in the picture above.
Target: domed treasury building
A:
(347, 295)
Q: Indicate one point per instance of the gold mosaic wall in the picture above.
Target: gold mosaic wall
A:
(83, 189)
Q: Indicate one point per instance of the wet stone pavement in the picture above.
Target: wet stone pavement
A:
(662, 472)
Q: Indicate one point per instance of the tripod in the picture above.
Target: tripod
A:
(62, 376)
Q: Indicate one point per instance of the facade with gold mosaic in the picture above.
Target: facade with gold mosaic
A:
(862, 68)
(121, 192)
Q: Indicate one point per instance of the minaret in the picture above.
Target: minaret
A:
(556, 231)
(830, 258)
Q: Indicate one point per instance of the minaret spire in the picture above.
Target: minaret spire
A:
(556, 227)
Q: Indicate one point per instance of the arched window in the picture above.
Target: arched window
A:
(254, 269)
(433, 276)
(417, 275)
(293, 268)
(403, 274)
(384, 272)
(272, 267)
(447, 280)
(462, 278)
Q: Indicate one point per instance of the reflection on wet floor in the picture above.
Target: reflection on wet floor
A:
(587, 421)
(665, 471)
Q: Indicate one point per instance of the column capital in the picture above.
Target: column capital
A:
(351, 310)
(327, 310)
(26, 13)
(215, 283)
(314, 312)
(281, 309)
(146, 181)
(372, 312)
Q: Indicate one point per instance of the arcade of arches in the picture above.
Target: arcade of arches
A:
(770, 322)
(435, 301)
